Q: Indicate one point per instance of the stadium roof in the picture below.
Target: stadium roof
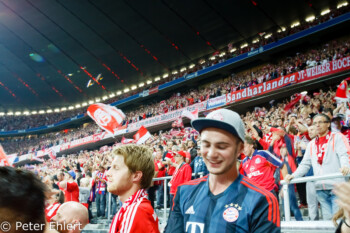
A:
(50, 50)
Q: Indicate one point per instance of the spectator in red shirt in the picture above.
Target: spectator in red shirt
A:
(159, 169)
(69, 187)
(182, 174)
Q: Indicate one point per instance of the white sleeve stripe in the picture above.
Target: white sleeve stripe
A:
(133, 215)
(125, 222)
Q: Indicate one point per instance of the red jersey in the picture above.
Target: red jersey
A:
(161, 171)
(260, 168)
(136, 215)
(51, 211)
(182, 174)
(71, 193)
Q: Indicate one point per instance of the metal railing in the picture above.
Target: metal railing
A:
(303, 180)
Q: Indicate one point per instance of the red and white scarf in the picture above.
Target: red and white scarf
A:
(321, 147)
(118, 221)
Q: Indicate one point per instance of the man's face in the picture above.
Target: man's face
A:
(178, 159)
(159, 154)
(119, 177)
(312, 132)
(321, 125)
(248, 149)
(308, 121)
(62, 221)
(219, 150)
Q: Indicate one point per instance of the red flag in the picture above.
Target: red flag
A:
(3, 158)
(106, 117)
(341, 94)
(191, 115)
(52, 153)
(293, 102)
(142, 135)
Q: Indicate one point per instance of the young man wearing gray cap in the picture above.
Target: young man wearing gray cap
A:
(223, 201)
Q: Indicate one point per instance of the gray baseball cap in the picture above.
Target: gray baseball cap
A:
(224, 119)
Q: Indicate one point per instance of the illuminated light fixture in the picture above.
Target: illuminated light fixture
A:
(34, 112)
(133, 87)
(71, 107)
(283, 29)
(268, 35)
(295, 24)
(157, 78)
(18, 113)
(119, 92)
(91, 101)
(183, 69)
(326, 11)
(126, 90)
(2, 113)
(303, 93)
(41, 112)
(84, 104)
(141, 84)
(222, 54)
(64, 109)
(255, 41)
(9, 113)
(244, 45)
(56, 110)
(70, 74)
(26, 113)
(165, 75)
(49, 111)
(342, 4)
(98, 100)
(191, 66)
(212, 58)
(174, 72)
(111, 95)
(149, 82)
(105, 97)
(233, 50)
(310, 18)
(77, 106)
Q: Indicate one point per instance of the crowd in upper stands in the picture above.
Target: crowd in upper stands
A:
(302, 60)
(8, 123)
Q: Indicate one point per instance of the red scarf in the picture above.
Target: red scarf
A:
(321, 147)
(118, 218)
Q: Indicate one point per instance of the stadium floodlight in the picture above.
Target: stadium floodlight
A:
(341, 4)
(141, 84)
(91, 101)
(222, 54)
(174, 72)
(310, 18)
(326, 11)
(183, 69)
(133, 87)
(26, 113)
(2, 113)
(63, 109)
(49, 111)
(119, 92)
(212, 58)
(156, 79)
(77, 106)
(126, 90)
(56, 110)
(111, 95)
(9, 113)
(244, 45)
(191, 66)
(268, 36)
(84, 104)
(98, 100)
(255, 40)
(233, 50)
(165, 75)
(105, 97)
(41, 111)
(18, 113)
(34, 112)
(149, 81)
(71, 107)
(295, 24)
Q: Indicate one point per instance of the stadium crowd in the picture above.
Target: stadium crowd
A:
(8, 123)
(332, 50)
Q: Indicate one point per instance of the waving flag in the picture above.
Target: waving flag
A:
(3, 158)
(142, 135)
(106, 117)
(191, 115)
(341, 94)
